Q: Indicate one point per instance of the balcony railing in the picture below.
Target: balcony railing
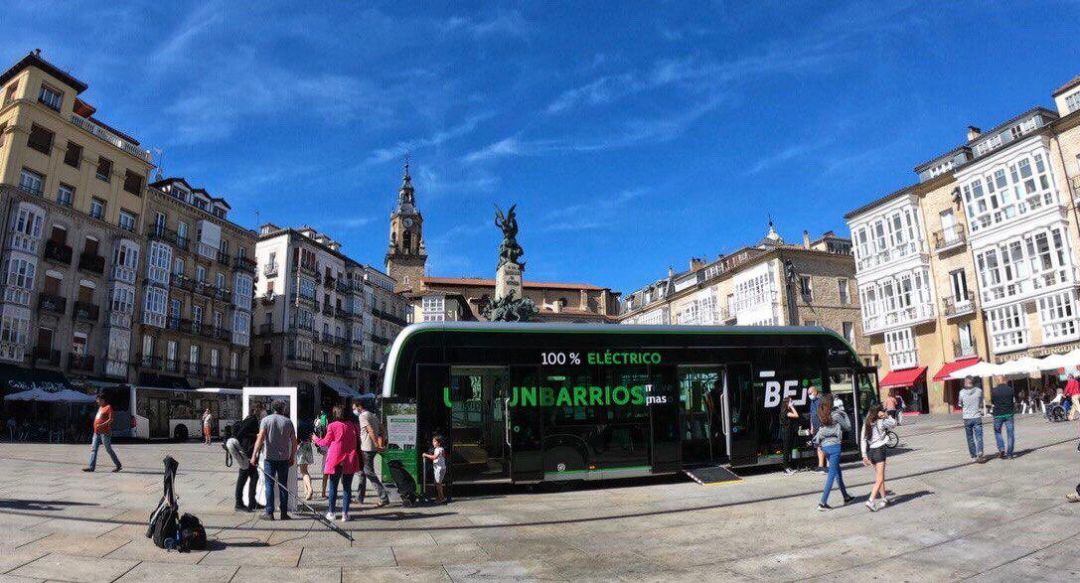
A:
(908, 249)
(111, 138)
(172, 365)
(80, 362)
(223, 258)
(309, 267)
(959, 306)
(194, 368)
(57, 252)
(52, 304)
(961, 350)
(85, 312)
(92, 263)
(119, 319)
(245, 264)
(387, 316)
(150, 362)
(905, 316)
(160, 233)
(270, 270)
(341, 286)
(952, 238)
(46, 356)
(328, 310)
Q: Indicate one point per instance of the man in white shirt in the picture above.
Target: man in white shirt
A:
(370, 444)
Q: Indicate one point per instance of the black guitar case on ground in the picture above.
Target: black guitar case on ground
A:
(164, 521)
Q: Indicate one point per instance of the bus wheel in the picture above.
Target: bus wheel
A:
(180, 433)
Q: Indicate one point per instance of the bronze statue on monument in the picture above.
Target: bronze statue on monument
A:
(510, 303)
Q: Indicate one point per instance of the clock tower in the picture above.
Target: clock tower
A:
(406, 256)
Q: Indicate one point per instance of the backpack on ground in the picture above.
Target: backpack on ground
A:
(164, 520)
(406, 485)
(192, 534)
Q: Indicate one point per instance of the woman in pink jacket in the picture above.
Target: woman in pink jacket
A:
(342, 460)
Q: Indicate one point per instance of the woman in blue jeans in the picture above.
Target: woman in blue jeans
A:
(828, 438)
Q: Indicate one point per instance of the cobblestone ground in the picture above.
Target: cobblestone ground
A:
(1005, 520)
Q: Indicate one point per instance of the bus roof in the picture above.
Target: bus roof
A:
(570, 328)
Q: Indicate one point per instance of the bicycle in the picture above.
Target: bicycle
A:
(891, 439)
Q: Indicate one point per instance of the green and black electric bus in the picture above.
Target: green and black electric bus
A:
(538, 402)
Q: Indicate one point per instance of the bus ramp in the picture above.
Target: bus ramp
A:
(712, 475)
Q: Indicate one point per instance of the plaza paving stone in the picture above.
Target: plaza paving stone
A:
(1005, 520)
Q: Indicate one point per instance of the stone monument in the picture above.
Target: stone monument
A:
(510, 303)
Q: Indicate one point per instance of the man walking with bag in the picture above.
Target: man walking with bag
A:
(103, 422)
(277, 433)
(371, 442)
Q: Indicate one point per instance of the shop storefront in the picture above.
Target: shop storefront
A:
(909, 385)
(951, 389)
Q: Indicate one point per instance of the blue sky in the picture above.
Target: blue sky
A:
(632, 135)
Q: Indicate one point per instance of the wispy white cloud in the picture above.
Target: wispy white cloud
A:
(789, 153)
(202, 19)
(509, 23)
(349, 223)
(630, 133)
(601, 212)
(398, 150)
(454, 179)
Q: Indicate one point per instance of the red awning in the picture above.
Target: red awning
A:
(903, 378)
(951, 367)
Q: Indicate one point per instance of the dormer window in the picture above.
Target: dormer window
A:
(50, 97)
(179, 193)
(1072, 102)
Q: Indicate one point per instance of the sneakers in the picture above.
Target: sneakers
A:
(789, 471)
(382, 503)
(329, 516)
(872, 506)
(848, 499)
(88, 469)
(241, 508)
(285, 517)
(117, 469)
(1001, 455)
(820, 469)
(267, 516)
(344, 517)
(1072, 497)
(823, 507)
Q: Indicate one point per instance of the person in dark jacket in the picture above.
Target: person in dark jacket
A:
(246, 433)
(1003, 398)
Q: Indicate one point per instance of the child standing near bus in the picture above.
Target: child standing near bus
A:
(438, 464)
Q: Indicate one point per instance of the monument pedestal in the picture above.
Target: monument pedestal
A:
(508, 281)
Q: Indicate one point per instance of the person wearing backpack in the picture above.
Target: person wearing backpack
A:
(829, 435)
(247, 432)
(371, 443)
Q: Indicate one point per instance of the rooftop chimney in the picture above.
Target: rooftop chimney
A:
(670, 271)
(806, 239)
(973, 132)
(696, 263)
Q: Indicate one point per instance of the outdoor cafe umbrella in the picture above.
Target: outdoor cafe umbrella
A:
(978, 370)
(1020, 366)
(34, 394)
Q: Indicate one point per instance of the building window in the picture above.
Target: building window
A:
(104, 169)
(200, 273)
(1057, 314)
(73, 155)
(181, 233)
(133, 182)
(9, 93)
(19, 280)
(154, 306)
(158, 261)
(50, 97)
(127, 221)
(40, 139)
(810, 323)
(965, 341)
(65, 194)
(900, 345)
(1008, 328)
(1008, 190)
(848, 329)
(31, 181)
(220, 280)
(1033, 261)
(1072, 102)
(242, 328)
(434, 308)
(123, 300)
(805, 288)
(842, 287)
(97, 208)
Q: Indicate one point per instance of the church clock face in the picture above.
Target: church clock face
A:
(408, 222)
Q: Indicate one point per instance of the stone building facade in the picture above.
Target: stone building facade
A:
(769, 284)
(73, 195)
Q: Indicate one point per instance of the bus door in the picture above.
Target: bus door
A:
(702, 414)
(478, 422)
(842, 386)
(740, 417)
(523, 429)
